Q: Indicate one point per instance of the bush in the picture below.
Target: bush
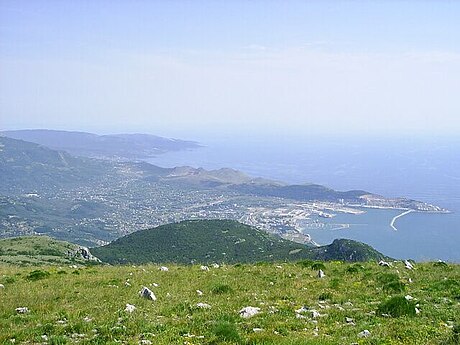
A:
(221, 289)
(355, 268)
(397, 306)
(304, 263)
(325, 296)
(317, 266)
(37, 275)
(226, 331)
(394, 286)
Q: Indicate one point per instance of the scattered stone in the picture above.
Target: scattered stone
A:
(164, 269)
(145, 342)
(409, 298)
(44, 337)
(349, 320)
(204, 268)
(199, 292)
(2, 286)
(408, 265)
(154, 285)
(22, 310)
(130, 308)
(257, 330)
(147, 293)
(127, 283)
(87, 319)
(315, 314)
(417, 311)
(321, 274)
(302, 310)
(203, 306)
(364, 334)
(384, 263)
(247, 312)
(215, 265)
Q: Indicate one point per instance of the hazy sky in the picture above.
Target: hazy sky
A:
(179, 67)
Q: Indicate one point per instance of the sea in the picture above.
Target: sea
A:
(422, 169)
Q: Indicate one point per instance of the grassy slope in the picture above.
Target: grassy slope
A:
(220, 241)
(59, 303)
(35, 250)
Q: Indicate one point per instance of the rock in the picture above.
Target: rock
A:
(364, 334)
(164, 269)
(215, 265)
(408, 265)
(247, 312)
(384, 263)
(22, 310)
(130, 308)
(257, 330)
(315, 314)
(321, 274)
(145, 342)
(204, 268)
(85, 254)
(147, 293)
(203, 306)
(409, 297)
(2, 286)
(349, 320)
(302, 310)
(199, 292)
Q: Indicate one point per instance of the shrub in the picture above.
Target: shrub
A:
(334, 283)
(317, 266)
(325, 296)
(226, 331)
(304, 263)
(394, 286)
(397, 306)
(355, 268)
(37, 275)
(221, 289)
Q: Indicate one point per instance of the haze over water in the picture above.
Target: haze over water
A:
(417, 169)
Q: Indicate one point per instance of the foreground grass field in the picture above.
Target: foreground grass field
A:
(86, 305)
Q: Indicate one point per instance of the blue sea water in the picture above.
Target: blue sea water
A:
(426, 170)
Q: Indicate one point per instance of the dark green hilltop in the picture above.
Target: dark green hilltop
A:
(221, 241)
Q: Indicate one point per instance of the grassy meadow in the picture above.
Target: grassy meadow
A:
(86, 305)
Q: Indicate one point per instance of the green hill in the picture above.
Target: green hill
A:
(208, 241)
(38, 250)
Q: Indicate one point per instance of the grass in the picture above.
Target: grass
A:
(88, 307)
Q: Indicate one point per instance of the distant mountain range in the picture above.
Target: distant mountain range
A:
(221, 241)
(114, 146)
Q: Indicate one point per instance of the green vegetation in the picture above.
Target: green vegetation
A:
(36, 250)
(208, 241)
(89, 307)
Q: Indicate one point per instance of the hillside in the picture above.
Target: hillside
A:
(127, 146)
(216, 241)
(88, 305)
(39, 250)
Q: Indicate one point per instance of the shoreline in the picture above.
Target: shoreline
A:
(392, 224)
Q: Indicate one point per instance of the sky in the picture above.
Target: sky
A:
(192, 68)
